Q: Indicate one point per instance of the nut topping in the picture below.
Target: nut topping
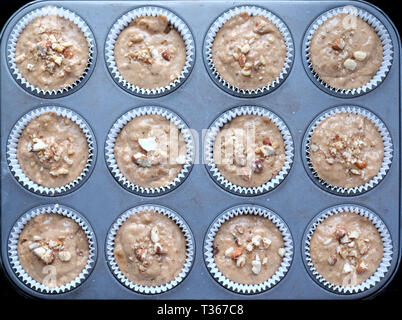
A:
(338, 44)
(359, 55)
(256, 265)
(340, 232)
(64, 256)
(361, 266)
(332, 260)
(350, 64)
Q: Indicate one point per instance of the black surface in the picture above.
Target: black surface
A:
(392, 294)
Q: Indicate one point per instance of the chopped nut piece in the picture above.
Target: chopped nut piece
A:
(332, 260)
(38, 145)
(245, 49)
(256, 265)
(338, 44)
(266, 243)
(58, 172)
(314, 147)
(345, 239)
(249, 247)
(347, 268)
(229, 251)
(55, 244)
(241, 261)
(256, 240)
(266, 141)
(141, 159)
(137, 38)
(343, 252)
(33, 245)
(359, 55)
(20, 58)
(239, 229)
(266, 151)
(64, 256)
(265, 260)
(45, 254)
(262, 28)
(327, 242)
(356, 172)
(140, 254)
(237, 253)
(159, 249)
(362, 246)
(340, 232)
(166, 54)
(246, 73)
(242, 60)
(30, 67)
(257, 166)
(361, 266)
(350, 64)
(361, 164)
(281, 252)
(155, 234)
(148, 144)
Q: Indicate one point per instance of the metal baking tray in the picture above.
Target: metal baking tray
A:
(199, 101)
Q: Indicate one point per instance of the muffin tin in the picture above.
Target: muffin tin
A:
(297, 200)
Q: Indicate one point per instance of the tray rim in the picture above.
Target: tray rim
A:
(380, 289)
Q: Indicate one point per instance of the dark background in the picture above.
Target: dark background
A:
(393, 292)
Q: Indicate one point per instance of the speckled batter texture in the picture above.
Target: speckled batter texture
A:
(249, 150)
(240, 240)
(335, 48)
(249, 51)
(150, 53)
(153, 168)
(346, 150)
(52, 52)
(361, 244)
(148, 257)
(69, 237)
(52, 150)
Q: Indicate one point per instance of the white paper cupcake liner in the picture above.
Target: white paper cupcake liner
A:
(386, 163)
(23, 276)
(115, 131)
(248, 209)
(210, 37)
(19, 28)
(386, 44)
(122, 23)
(385, 237)
(209, 149)
(12, 147)
(190, 249)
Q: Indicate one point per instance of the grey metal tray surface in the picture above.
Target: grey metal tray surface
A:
(199, 101)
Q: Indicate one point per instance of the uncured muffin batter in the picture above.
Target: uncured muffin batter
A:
(346, 150)
(52, 150)
(249, 51)
(52, 52)
(150, 249)
(150, 53)
(53, 249)
(249, 150)
(346, 52)
(248, 249)
(346, 249)
(150, 151)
